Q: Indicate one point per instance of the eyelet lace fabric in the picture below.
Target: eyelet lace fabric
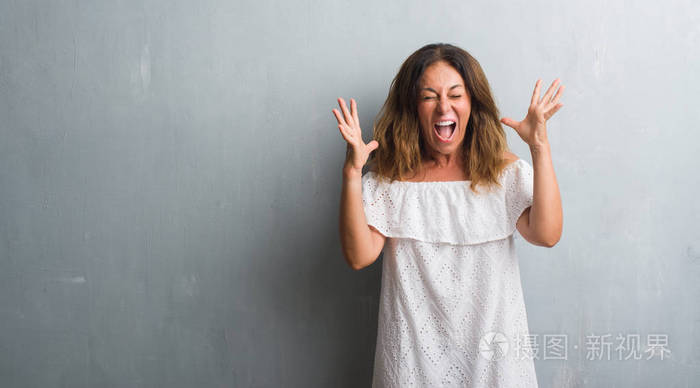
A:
(451, 311)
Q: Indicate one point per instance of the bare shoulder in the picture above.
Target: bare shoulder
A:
(510, 157)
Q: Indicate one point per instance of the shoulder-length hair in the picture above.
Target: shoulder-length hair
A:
(397, 130)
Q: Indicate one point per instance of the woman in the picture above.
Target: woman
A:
(443, 198)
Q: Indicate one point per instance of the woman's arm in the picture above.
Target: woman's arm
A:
(361, 243)
(541, 223)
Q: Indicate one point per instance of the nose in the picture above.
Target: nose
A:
(443, 105)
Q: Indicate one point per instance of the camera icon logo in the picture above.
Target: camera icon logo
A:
(493, 345)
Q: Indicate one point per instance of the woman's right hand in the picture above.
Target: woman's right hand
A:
(349, 126)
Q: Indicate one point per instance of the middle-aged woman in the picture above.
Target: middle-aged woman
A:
(443, 197)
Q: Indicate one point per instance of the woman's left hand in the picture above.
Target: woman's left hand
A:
(533, 128)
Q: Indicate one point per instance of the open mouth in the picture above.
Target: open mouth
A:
(445, 130)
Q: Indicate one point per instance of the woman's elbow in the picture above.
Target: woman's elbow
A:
(551, 240)
(358, 266)
(356, 263)
(549, 243)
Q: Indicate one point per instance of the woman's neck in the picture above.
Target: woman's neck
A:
(442, 161)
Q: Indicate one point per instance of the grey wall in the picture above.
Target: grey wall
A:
(170, 178)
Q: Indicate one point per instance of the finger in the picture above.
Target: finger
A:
(346, 114)
(353, 108)
(536, 93)
(509, 122)
(554, 110)
(338, 117)
(556, 96)
(548, 95)
(373, 145)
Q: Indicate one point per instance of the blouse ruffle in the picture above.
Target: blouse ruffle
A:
(448, 212)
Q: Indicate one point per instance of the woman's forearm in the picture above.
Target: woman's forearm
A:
(546, 216)
(358, 244)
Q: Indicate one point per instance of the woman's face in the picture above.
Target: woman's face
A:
(443, 108)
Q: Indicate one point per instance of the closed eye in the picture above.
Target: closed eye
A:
(433, 97)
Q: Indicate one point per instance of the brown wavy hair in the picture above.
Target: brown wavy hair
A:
(402, 149)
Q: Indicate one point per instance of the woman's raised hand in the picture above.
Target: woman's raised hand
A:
(533, 128)
(349, 126)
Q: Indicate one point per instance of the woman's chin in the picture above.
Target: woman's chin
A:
(443, 148)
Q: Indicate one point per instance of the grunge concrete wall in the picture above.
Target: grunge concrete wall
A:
(170, 176)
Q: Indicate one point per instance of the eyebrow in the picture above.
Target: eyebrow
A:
(433, 90)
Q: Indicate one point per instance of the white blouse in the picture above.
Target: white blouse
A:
(451, 312)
